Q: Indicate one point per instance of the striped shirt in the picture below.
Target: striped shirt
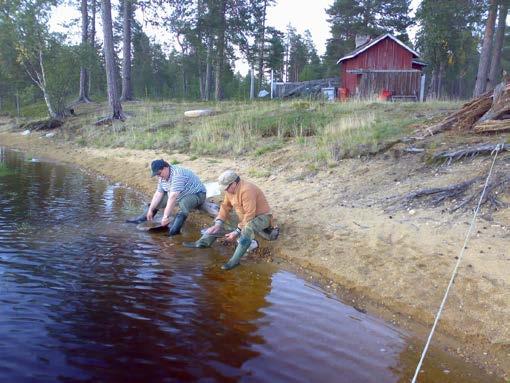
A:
(181, 180)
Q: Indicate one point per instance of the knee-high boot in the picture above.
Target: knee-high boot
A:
(179, 220)
(242, 247)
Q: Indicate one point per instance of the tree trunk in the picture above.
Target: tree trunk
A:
(44, 88)
(113, 97)
(485, 54)
(495, 71)
(208, 70)
(261, 45)
(84, 74)
(201, 79)
(92, 39)
(220, 58)
(127, 89)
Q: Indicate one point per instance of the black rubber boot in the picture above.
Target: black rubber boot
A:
(179, 220)
(141, 218)
(194, 245)
(242, 247)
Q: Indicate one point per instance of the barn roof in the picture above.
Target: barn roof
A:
(371, 43)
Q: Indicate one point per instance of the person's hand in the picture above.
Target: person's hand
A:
(213, 229)
(150, 215)
(165, 221)
(231, 237)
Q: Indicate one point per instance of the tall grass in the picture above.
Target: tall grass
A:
(328, 131)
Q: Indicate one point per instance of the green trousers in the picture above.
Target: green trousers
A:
(186, 204)
(256, 225)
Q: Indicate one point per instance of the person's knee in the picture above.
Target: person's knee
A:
(244, 240)
(247, 231)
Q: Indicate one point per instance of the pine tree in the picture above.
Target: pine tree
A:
(485, 54)
(113, 97)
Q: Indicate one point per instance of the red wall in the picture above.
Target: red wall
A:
(386, 54)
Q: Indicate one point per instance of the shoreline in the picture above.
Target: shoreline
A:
(395, 264)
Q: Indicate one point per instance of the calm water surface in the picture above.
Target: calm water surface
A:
(85, 297)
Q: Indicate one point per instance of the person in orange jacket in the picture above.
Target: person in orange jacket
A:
(251, 207)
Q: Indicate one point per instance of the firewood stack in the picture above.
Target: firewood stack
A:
(488, 113)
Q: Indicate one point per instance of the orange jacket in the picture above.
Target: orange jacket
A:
(248, 202)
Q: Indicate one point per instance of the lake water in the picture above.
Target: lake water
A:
(86, 297)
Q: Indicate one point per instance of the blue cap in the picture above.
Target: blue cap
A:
(158, 165)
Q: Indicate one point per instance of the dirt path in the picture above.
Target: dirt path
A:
(334, 223)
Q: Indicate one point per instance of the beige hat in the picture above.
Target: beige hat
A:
(227, 177)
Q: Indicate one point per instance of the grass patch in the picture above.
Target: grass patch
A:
(4, 170)
(258, 173)
(327, 131)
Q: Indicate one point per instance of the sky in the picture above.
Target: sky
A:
(301, 14)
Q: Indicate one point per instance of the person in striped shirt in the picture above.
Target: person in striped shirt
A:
(176, 186)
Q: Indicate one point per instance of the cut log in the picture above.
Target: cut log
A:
(198, 113)
(500, 103)
(492, 126)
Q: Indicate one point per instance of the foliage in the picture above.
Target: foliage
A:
(448, 39)
(61, 74)
(4, 170)
(349, 18)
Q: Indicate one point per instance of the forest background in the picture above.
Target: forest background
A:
(37, 65)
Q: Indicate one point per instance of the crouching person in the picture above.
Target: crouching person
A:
(252, 209)
(176, 185)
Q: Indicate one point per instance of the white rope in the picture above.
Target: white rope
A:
(496, 149)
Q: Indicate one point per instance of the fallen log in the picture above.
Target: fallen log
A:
(450, 156)
(500, 103)
(437, 195)
(492, 126)
(47, 124)
(498, 185)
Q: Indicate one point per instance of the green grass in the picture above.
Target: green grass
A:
(327, 132)
(34, 111)
(4, 170)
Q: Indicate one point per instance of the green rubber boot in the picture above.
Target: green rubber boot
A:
(205, 240)
(242, 247)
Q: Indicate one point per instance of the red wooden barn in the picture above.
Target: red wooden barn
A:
(383, 66)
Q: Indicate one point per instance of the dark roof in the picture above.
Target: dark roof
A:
(370, 43)
(419, 62)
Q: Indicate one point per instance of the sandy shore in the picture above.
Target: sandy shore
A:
(335, 223)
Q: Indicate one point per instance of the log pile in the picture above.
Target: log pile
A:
(488, 113)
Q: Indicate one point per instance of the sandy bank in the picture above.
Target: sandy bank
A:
(334, 223)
